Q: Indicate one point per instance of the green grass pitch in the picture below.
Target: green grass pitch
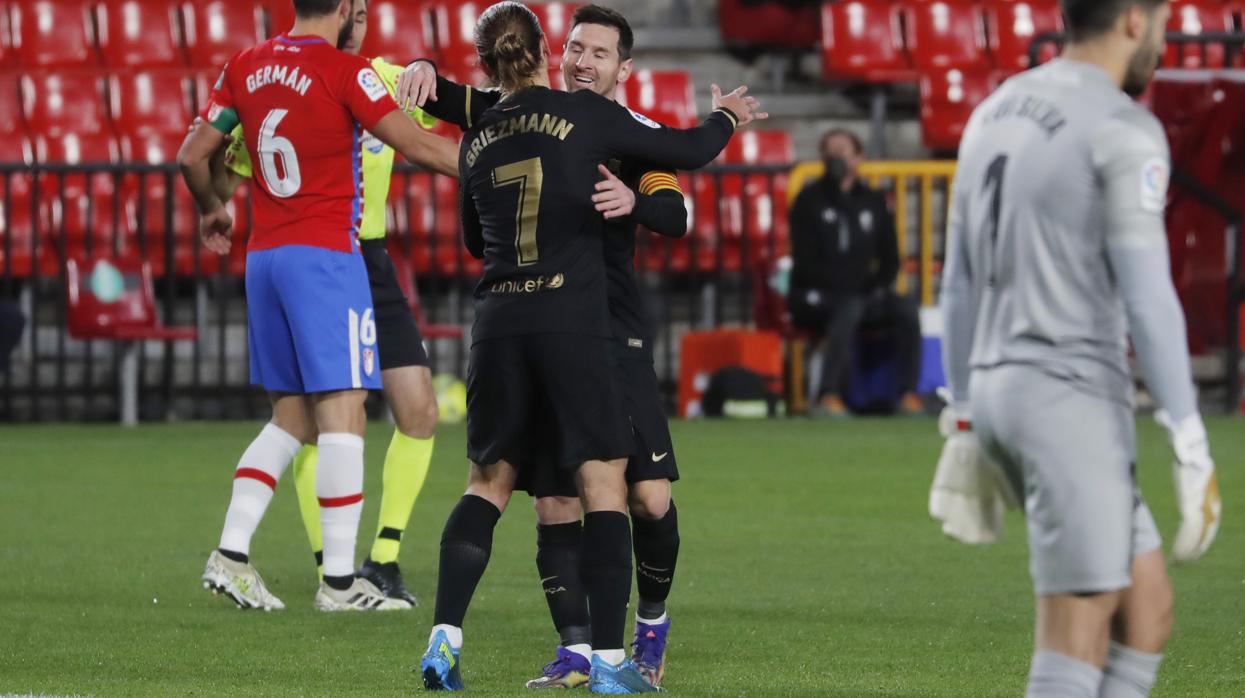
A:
(809, 567)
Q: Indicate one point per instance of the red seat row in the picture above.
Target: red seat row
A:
(878, 41)
(129, 33)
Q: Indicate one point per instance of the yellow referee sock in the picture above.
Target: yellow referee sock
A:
(406, 468)
(308, 504)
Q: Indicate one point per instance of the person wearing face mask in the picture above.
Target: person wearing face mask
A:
(844, 262)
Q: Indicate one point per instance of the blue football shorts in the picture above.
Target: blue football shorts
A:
(311, 327)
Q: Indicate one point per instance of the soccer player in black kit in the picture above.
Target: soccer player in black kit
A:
(541, 348)
(598, 57)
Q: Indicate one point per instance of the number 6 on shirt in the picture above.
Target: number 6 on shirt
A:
(270, 146)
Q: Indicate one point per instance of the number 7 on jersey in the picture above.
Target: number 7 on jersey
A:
(528, 176)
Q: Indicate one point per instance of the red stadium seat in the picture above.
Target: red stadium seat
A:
(150, 100)
(139, 33)
(1193, 19)
(1012, 26)
(16, 225)
(769, 23)
(10, 103)
(555, 20)
(52, 33)
(762, 197)
(60, 102)
(78, 211)
(281, 17)
(947, 100)
(862, 40)
(664, 96)
(945, 34)
(8, 56)
(454, 26)
(397, 31)
(217, 29)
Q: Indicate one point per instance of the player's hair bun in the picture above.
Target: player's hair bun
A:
(516, 62)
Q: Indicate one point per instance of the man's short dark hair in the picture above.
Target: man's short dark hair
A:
(857, 144)
(1087, 19)
(595, 14)
(315, 8)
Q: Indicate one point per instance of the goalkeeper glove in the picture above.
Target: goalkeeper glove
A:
(1197, 488)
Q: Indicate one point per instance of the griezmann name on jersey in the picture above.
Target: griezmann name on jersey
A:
(300, 100)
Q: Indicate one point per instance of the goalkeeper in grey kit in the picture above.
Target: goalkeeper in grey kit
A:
(1057, 254)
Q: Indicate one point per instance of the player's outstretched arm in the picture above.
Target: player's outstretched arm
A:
(631, 137)
(438, 154)
(194, 160)
(1133, 165)
(461, 105)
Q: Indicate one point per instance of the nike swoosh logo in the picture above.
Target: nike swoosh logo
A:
(657, 458)
(548, 578)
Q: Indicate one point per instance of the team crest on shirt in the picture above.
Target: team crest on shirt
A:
(214, 112)
(1154, 179)
(829, 215)
(644, 119)
(866, 221)
(369, 360)
(371, 84)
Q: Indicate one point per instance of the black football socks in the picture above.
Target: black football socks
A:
(656, 552)
(466, 544)
(558, 561)
(606, 569)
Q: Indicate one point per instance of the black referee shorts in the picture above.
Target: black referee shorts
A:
(398, 339)
(555, 392)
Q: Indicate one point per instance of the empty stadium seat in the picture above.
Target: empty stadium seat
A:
(139, 33)
(762, 197)
(942, 35)
(1193, 19)
(8, 57)
(10, 103)
(52, 33)
(862, 40)
(218, 29)
(664, 96)
(748, 23)
(63, 101)
(1011, 27)
(78, 211)
(150, 100)
(280, 17)
(146, 202)
(397, 31)
(15, 216)
(947, 100)
(454, 28)
(555, 20)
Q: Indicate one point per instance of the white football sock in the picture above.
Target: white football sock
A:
(611, 657)
(452, 632)
(254, 482)
(660, 619)
(1129, 673)
(583, 649)
(339, 487)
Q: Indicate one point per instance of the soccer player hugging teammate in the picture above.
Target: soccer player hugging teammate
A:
(302, 105)
(598, 57)
(1057, 253)
(405, 376)
(541, 358)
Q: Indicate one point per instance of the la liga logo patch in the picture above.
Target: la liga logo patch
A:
(1154, 179)
(371, 84)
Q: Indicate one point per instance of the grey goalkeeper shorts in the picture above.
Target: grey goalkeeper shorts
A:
(1072, 457)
